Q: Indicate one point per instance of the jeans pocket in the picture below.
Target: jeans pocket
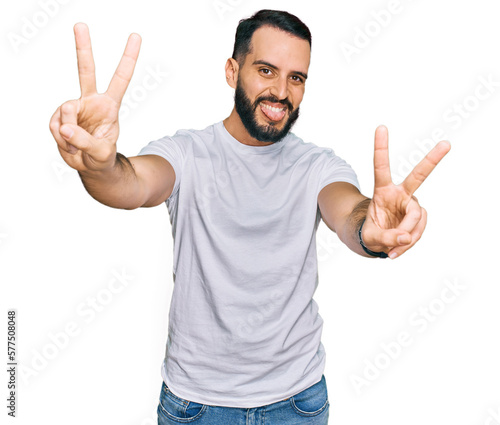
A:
(177, 409)
(312, 401)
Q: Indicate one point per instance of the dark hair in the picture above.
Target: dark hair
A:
(275, 18)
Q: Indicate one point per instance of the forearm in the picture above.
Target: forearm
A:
(117, 187)
(343, 209)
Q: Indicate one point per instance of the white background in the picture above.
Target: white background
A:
(59, 247)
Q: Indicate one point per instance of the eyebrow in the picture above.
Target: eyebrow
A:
(270, 65)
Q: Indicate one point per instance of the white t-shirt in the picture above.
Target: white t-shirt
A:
(244, 329)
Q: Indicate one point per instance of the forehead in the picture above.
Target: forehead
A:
(279, 48)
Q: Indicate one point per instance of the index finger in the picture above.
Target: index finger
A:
(86, 66)
(381, 157)
(425, 167)
(125, 69)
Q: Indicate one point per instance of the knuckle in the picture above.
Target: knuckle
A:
(55, 120)
(67, 107)
(423, 218)
(54, 126)
(414, 213)
(419, 175)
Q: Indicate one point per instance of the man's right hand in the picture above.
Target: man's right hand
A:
(86, 129)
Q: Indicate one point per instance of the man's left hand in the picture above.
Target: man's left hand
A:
(395, 221)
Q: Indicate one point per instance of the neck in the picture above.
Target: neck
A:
(235, 127)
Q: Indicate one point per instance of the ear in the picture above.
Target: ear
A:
(232, 69)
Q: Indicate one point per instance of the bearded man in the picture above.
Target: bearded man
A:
(245, 197)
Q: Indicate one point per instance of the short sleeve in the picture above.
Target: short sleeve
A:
(170, 149)
(335, 169)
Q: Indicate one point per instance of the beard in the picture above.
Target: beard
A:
(247, 112)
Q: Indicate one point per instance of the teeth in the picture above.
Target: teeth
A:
(272, 108)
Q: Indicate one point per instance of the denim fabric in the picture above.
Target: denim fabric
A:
(310, 406)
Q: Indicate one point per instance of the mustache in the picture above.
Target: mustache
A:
(274, 99)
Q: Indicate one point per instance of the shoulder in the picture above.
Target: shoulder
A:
(193, 134)
(185, 139)
(297, 146)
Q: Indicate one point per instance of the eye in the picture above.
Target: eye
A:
(297, 79)
(265, 71)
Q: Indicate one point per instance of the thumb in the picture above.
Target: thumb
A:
(66, 131)
(77, 137)
(386, 237)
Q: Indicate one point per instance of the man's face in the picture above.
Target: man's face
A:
(271, 83)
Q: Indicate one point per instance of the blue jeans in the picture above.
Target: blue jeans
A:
(310, 406)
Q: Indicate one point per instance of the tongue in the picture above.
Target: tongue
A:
(272, 115)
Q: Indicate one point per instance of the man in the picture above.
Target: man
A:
(245, 197)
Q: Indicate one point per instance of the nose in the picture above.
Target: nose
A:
(279, 88)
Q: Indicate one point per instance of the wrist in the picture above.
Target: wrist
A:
(380, 254)
(104, 172)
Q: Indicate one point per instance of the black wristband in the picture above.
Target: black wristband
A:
(372, 253)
